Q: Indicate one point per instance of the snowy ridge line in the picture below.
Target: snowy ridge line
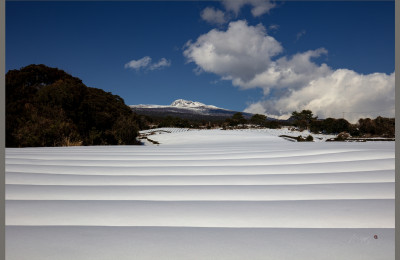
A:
(371, 213)
(197, 228)
(161, 150)
(289, 229)
(271, 179)
(184, 156)
(342, 166)
(193, 185)
(359, 157)
(10, 185)
(201, 193)
(199, 148)
(187, 202)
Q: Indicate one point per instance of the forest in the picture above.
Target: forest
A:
(48, 107)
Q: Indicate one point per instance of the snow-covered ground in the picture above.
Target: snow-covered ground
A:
(264, 131)
(209, 194)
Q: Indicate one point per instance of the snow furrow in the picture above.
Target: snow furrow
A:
(318, 167)
(249, 179)
(327, 158)
(198, 193)
(202, 195)
(370, 213)
(166, 156)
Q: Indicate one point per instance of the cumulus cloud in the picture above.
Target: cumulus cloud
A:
(342, 91)
(163, 62)
(241, 52)
(285, 72)
(249, 58)
(213, 16)
(259, 7)
(145, 63)
(138, 64)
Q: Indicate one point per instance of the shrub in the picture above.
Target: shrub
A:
(309, 138)
(48, 107)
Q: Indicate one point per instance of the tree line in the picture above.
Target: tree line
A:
(365, 127)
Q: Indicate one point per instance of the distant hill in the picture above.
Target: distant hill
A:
(48, 107)
(187, 110)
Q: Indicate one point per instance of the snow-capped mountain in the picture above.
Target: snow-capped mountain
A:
(179, 103)
(185, 109)
(191, 104)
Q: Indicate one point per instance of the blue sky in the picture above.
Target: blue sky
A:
(319, 43)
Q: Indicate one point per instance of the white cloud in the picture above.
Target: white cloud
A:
(343, 90)
(259, 7)
(248, 56)
(163, 62)
(213, 16)
(286, 72)
(138, 64)
(145, 63)
(240, 52)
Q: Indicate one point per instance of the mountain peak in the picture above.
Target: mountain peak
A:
(189, 104)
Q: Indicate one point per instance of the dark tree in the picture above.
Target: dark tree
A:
(302, 119)
(48, 107)
(258, 119)
(237, 119)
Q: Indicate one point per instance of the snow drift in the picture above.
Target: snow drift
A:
(208, 194)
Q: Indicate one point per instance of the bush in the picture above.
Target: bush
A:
(380, 126)
(343, 136)
(125, 130)
(258, 119)
(309, 138)
(48, 107)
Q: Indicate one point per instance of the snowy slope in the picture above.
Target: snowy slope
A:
(186, 109)
(208, 194)
(180, 103)
(191, 104)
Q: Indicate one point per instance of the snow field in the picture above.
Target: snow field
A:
(208, 194)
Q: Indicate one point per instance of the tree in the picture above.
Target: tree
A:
(302, 119)
(125, 130)
(237, 119)
(48, 107)
(258, 119)
(380, 126)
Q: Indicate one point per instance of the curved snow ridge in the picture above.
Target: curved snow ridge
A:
(322, 158)
(163, 156)
(203, 192)
(318, 167)
(369, 213)
(239, 146)
(249, 179)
